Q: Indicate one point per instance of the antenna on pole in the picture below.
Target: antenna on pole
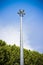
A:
(21, 14)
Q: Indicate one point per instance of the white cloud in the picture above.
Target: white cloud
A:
(12, 36)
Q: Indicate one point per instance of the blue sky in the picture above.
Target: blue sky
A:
(32, 23)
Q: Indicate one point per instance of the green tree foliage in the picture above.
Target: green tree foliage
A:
(10, 55)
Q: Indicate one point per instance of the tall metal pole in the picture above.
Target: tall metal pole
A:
(21, 13)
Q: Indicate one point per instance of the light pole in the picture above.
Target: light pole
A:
(21, 14)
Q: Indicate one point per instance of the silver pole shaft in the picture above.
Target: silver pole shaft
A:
(21, 43)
